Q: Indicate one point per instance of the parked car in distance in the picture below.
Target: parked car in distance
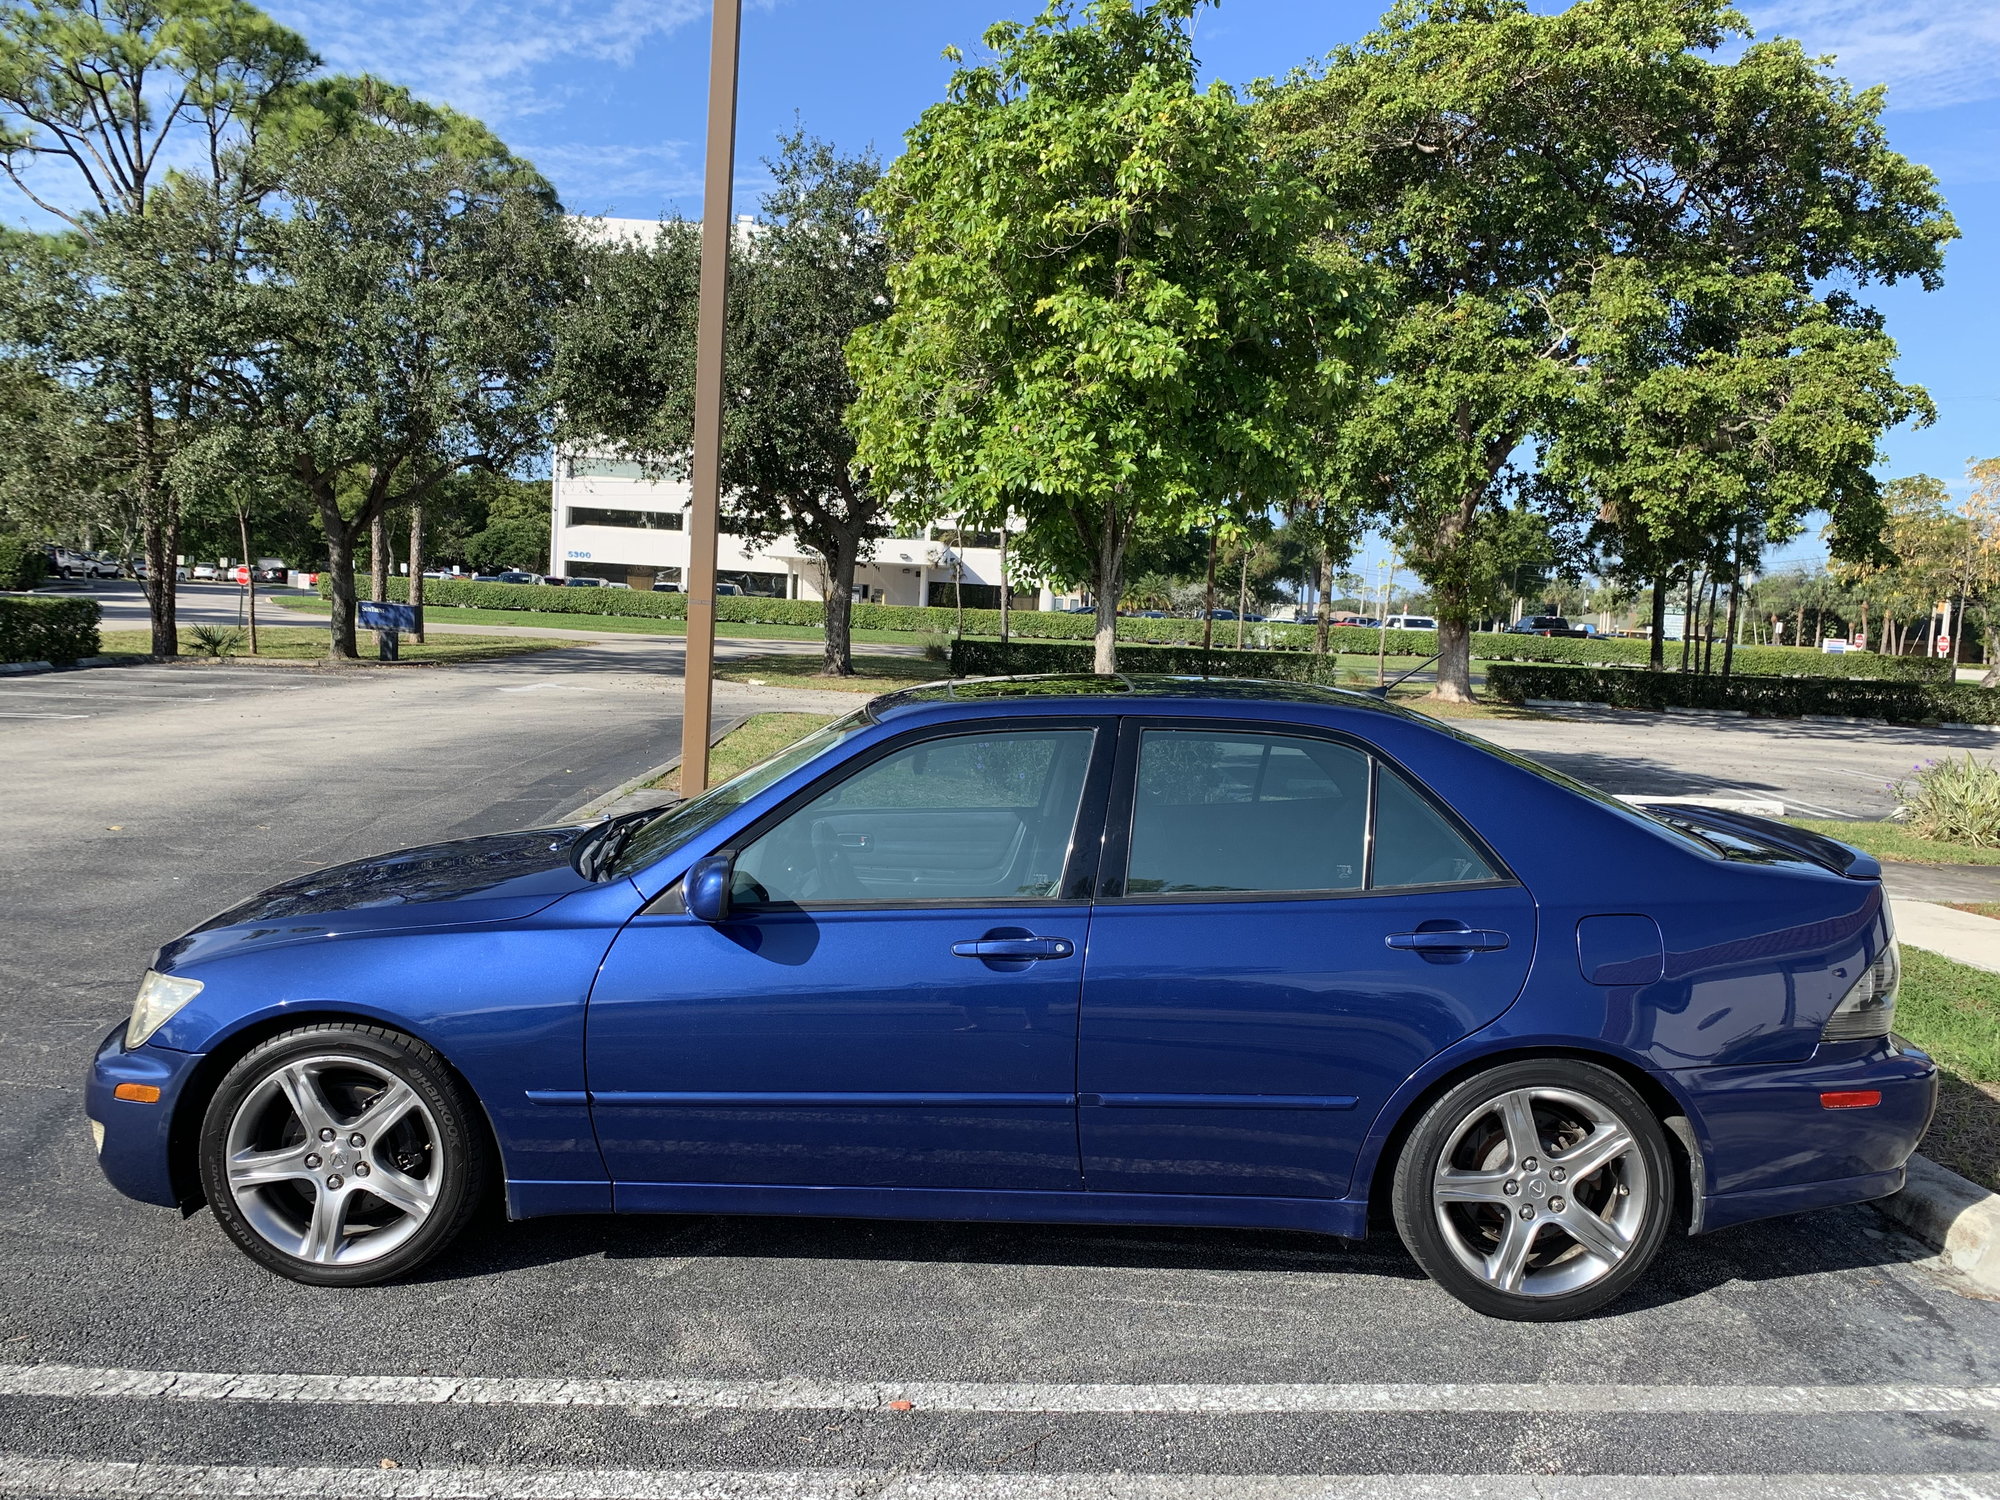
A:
(582, 582)
(1543, 625)
(662, 586)
(66, 562)
(1412, 622)
(515, 575)
(205, 572)
(1096, 950)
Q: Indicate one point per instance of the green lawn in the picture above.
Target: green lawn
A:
(294, 643)
(1952, 1011)
(756, 739)
(872, 674)
(1893, 841)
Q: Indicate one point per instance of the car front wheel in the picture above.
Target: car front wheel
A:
(1536, 1191)
(342, 1155)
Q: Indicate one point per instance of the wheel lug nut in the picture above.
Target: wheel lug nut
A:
(1557, 1205)
(1510, 1188)
(1528, 1165)
(312, 1160)
(326, 1134)
(361, 1169)
(334, 1181)
(1557, 1174)
(357, 1139)
(1527, 1210)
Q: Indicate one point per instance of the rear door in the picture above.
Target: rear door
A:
(1287, 928)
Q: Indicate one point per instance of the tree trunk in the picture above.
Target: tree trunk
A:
(1689, 619)
(1708, 625)
(1242, 594)
(415, 593)
(1208, 600)
(1454, 638)
(378, 557)
(1656, 658)
(1729, 635)
(162, 535)
(1110, 582)
(841, 556)
(249, 577)
(340, 567)
(1323, 611)
(1006, 583)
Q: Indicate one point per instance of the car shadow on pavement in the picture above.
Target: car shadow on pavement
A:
(1830, 1241)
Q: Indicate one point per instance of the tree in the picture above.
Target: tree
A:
(407, 289)
(1105, 318)
(97, 91)
(1511, 175)
(812, 272)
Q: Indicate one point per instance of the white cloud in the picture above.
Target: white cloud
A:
(480, 55)
(632, 181)
(1931, 53)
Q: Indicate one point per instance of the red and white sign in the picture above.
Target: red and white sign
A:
(1944, 645)
(240, 574)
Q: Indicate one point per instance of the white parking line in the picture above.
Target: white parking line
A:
(82, 1382)
(56, 1477)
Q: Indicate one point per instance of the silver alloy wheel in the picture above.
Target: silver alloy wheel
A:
(333, 1159)
(1541, 1191)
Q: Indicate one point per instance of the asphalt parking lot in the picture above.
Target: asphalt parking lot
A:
(744, 1357)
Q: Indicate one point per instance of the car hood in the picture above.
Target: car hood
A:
(496, 878)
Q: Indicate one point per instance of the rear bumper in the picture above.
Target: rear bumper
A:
(1770, 1147)
(136, 1151)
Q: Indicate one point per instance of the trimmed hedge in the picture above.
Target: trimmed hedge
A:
(48, 629)
(992, 659)
(22, 563)
(1765, 697)
(1039, 625)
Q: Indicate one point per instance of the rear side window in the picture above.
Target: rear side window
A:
(1234, 812)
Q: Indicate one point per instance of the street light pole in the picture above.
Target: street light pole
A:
(705, 480)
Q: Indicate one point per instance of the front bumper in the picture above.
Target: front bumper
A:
(136, 1143)
(1770, 1146)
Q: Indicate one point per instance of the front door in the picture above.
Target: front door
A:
(893, 1002)
(1291, 930)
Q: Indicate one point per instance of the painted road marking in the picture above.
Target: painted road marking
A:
(58, 1477)
(84, 1382)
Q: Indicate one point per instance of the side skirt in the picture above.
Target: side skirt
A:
(1347, 1218)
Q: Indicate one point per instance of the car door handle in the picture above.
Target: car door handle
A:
(1016, 947)
(1448, 940)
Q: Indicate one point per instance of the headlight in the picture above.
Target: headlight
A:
(1869, 1007)
(160, 995)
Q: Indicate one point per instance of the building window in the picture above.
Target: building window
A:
(976, 595)
(757, 585)
(606, 468)
(635, 520)
(952, 536)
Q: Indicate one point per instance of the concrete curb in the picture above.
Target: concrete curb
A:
(601, 805)
(37, 668)
(1960, 1218)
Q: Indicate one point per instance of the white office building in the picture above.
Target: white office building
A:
(611, 522)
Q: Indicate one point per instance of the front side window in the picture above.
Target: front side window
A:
(968, 817)
(1236, 812)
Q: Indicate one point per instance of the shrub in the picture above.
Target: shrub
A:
(217, 641)
(22, 563)
(48, 629)
(1772, 697)
(992, 659)
(1957, 801)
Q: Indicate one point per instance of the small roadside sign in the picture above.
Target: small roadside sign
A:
(240, 574)
(1944, 645)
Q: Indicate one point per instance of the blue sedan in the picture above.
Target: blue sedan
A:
(1105, 950)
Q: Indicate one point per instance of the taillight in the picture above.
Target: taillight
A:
(1869, 1006)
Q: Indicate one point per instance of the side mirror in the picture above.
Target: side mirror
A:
(705, 888)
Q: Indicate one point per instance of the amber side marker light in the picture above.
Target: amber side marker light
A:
(1851, 1099)
(137, 1093)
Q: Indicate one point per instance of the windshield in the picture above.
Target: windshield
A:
(677, 824)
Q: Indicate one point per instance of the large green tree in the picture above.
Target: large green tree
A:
(1508, 174)
(96, 96)
(1106, 317)
(812, 272)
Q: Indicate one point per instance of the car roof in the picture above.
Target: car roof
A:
(1088, 692)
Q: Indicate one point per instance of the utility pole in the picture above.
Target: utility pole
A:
(705, 480)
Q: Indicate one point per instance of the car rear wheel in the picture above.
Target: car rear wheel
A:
(1536, 1191)
(342, 1155)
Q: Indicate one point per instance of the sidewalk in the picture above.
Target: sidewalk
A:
(1962, 936)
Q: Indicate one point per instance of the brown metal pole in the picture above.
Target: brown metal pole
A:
(705, 481)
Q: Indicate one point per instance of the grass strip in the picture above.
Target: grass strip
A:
(1952, 1011)
(293, 643)
(1894, 841)
(755, 740)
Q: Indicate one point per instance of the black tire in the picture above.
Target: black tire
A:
(1495, 1233)
(433, 1162)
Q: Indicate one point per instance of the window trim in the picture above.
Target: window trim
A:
(1080, 864)
(1123, 808)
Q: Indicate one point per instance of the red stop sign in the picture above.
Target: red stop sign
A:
(241, 575)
